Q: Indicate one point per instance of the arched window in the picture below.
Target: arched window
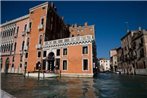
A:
(11, 46)
(11, 32)
(22, 45)
(20, 65)
(28, 42)
(15, 46)
(12, 65)
(4, 48)
(14, 30)
(7, 46)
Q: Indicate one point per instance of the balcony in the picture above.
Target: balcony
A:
(28, 30)
(38, 46)
(21, 51)
(6, 53)
(15, 35)
(40, 27)
(25, 48)
(23, 33)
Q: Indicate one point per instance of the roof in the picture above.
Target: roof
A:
(15, 20)
(40, 5)
(126, 35)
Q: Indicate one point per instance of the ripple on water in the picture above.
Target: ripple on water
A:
(103, 86)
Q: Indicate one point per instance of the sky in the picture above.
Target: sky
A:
(111, 19)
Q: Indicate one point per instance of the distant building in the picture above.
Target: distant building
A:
(104, 64)
(113, 59)
(132, 55)
(42, 38)
(134, 52)
(119, 59)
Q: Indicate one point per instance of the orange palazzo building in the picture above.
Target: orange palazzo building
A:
(42, 40)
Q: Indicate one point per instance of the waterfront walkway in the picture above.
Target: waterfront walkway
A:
(6, 95)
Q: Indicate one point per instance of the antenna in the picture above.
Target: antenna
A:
(127, 26)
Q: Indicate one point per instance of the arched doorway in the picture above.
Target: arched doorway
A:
(38, 64)
(51, 59)
(6, 65)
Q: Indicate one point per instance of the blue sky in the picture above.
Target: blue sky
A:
(108, 17)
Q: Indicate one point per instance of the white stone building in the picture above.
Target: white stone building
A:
(104, 64)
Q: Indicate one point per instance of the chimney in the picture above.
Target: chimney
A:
(85, 24)
(75, 25)
(62, 18)
(52, 4)
(139, 28)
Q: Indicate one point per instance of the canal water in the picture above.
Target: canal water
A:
(103, 85)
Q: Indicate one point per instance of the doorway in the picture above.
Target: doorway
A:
(51, 59)
(7, 65)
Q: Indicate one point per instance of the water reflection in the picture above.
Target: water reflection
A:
(102, 86)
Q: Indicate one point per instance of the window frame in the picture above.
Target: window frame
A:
(58, 51)
(39, 54)
(83, 52)
(44, 53)
(64, 52)
(83, 64)
(63, 65)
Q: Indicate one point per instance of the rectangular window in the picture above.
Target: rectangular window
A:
(30, 25)
(40, 39)
(25, 64)
(85, 64)
(39, 54)
(17, 29)
(64, 64)
(25, 27)
(43, 7)
(57, 64)
(85, 49)
(44, 53)
(65, 51)
(32, 12)
(13, 59)
(26, 56)
(58, 52)
(21, 58)
(42, 21)
(44, 64)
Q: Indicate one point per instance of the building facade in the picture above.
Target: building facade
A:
(104, 64)
(113, 60)
(132, 55)
(41, 40)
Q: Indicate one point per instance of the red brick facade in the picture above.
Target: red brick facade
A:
(42, 25)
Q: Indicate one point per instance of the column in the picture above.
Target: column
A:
(46, 67)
